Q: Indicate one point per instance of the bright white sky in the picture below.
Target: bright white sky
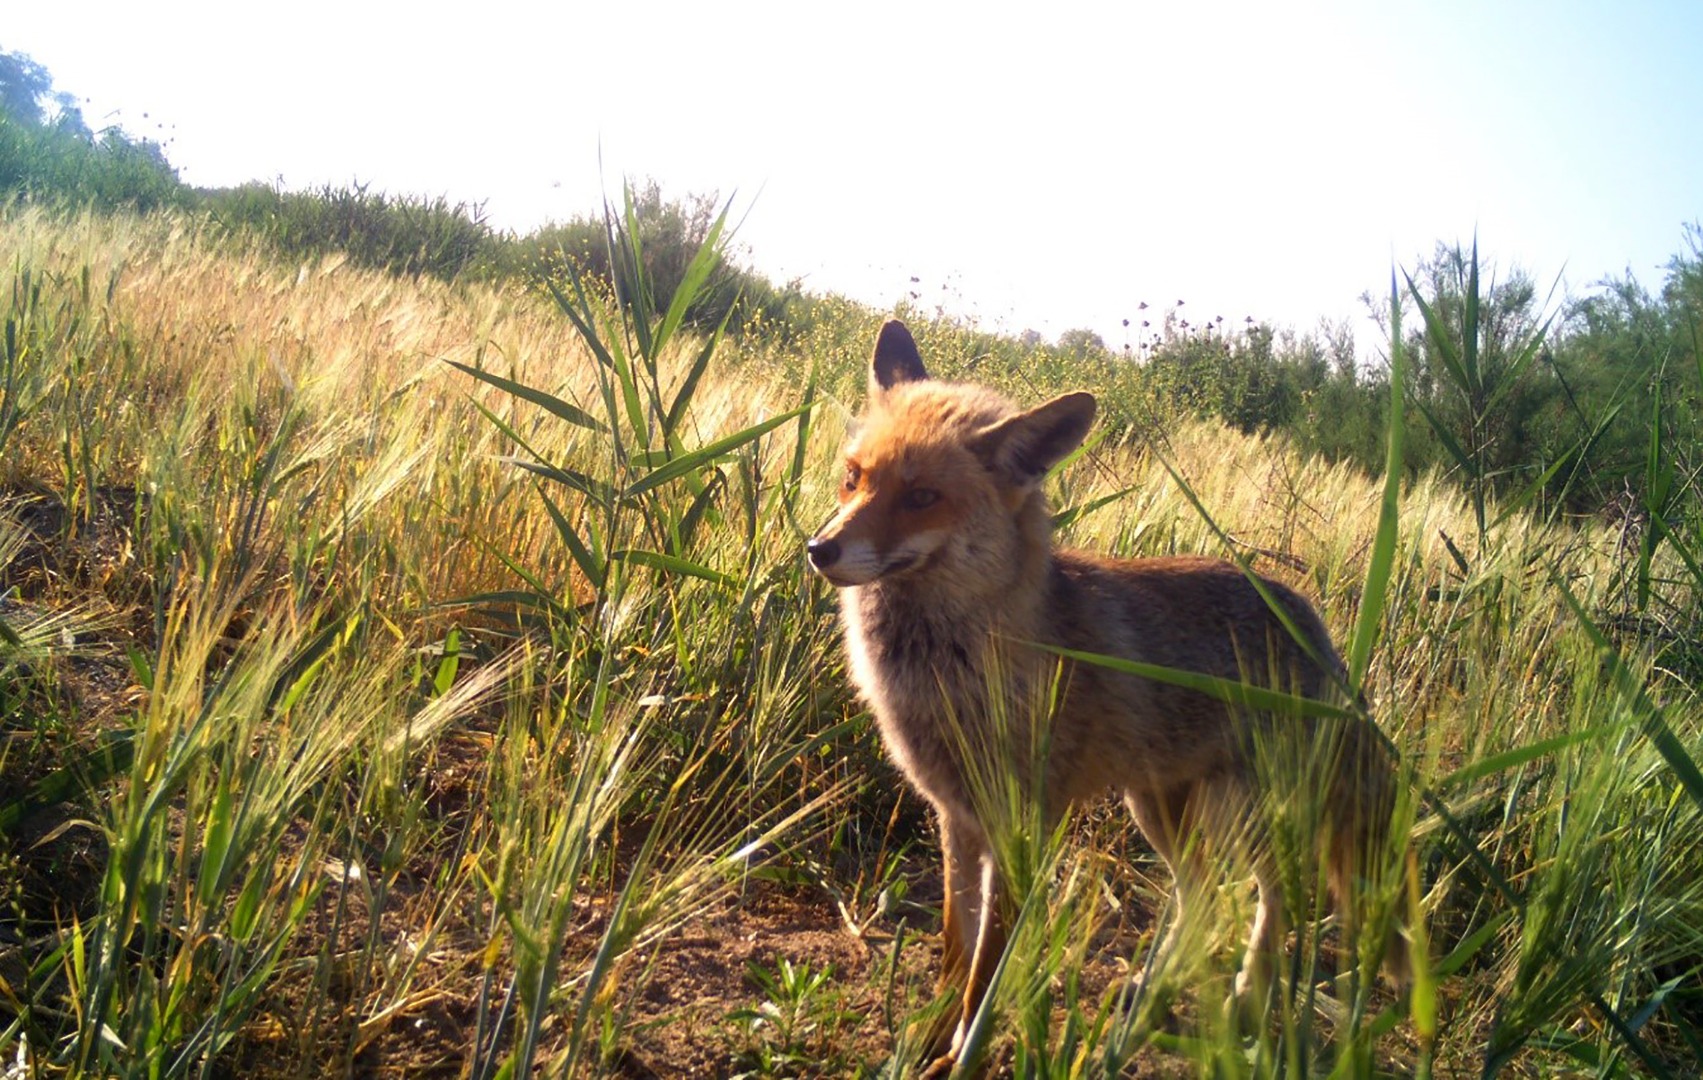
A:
(1039, 166)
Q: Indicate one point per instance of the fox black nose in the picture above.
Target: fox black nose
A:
(823, 553)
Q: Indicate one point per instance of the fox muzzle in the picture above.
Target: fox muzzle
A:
(823, 553)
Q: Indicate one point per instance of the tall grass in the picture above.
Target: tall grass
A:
(417, 704)
(655, 577)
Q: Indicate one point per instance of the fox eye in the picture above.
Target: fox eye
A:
(921, 498)
(853, 475)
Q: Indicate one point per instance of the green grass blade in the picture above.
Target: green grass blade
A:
(216, 841)
(801, 447)
(1696, 344)
(1447, 438)
(1658, 490)
(686, 528)
(697, 459)
(543, 596)
(970, 1061)
(1527, 354)
(673, 564)
(1648, 714)
(611, 360)
(506, 428)
(548, 402)
(1585, 452)
(704, 263)
(1381, 564)
(111, 757)
(1679, 547)
(1067, 517)
(590, 487)
(588, 564)
(1471, 945)
(517, 597)
(627, 382)
(1531, 491)
(579, 312)
(1469, 327)
(640, 303)
(1438, 338)
(1520, 755)
(1630, 1038)
(1229, 691)
(689, 385)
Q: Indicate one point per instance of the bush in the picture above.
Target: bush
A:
(63, 162)
(404, 234)
(668, 233)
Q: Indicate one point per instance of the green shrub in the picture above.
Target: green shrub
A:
(63, 162)
(655, 238)
(403, 234)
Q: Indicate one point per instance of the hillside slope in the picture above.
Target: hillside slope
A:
(358, 714)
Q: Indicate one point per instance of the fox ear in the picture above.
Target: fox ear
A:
(1020, 449)
(896, 359)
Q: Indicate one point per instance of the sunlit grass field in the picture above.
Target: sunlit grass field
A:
(401, 678)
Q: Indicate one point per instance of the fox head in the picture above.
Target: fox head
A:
(942, 480)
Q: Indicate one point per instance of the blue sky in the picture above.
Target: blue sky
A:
(1032, 169)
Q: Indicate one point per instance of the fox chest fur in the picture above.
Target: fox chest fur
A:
(922, 672)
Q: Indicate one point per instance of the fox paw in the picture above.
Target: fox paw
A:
(940, 1068)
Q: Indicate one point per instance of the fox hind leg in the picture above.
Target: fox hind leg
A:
(1163, 816)
(1228, 815)
(1195, 826)
(1266, 937)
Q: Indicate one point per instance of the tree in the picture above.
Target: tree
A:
(1081, 343)
(26, 89)
(23, 85)
(1628, 361)
(47, 152)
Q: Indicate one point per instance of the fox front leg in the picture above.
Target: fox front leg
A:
(972, 934)
(961, 903)
(985, 954)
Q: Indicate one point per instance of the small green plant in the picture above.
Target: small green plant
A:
(790, 1032)
(657, 489)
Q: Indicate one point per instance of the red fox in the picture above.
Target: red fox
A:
(943, 553)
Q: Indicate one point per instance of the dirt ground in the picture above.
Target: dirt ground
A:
(688, 1007)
